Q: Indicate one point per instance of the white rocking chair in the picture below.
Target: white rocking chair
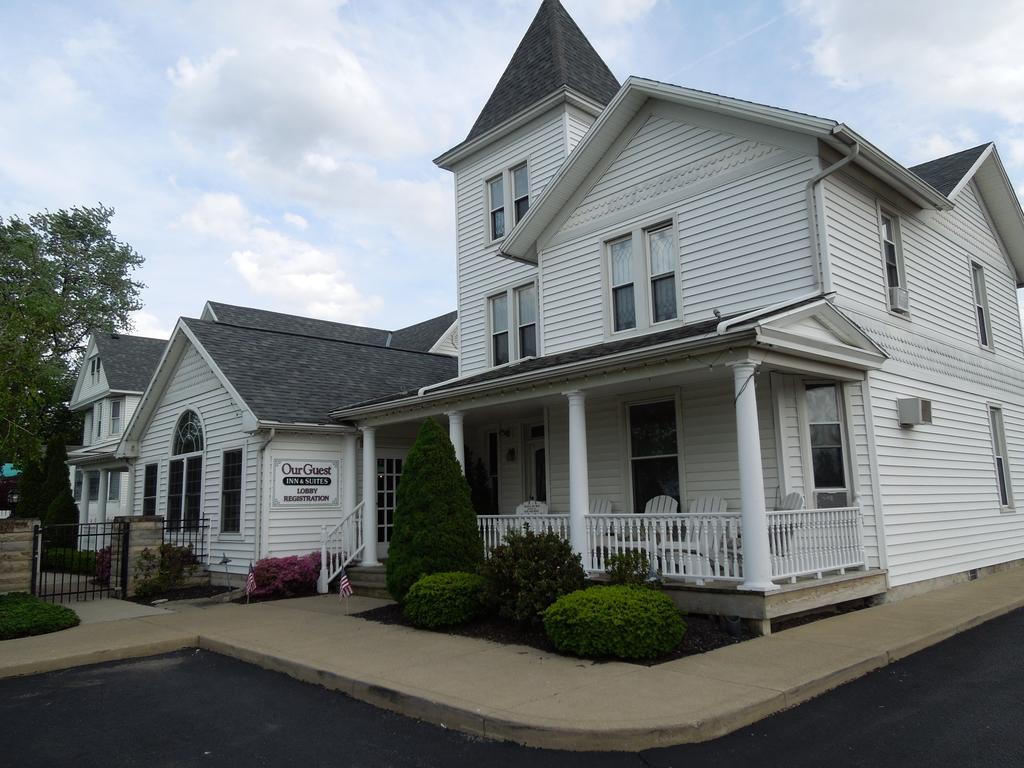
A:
(792, 501)
(600, 506)
(661, 505)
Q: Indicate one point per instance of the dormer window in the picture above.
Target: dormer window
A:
(94, 369)
(510, 185)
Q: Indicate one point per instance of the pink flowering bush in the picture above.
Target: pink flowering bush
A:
(287, 576)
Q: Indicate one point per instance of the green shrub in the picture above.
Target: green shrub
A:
(444, 599)
(528, 573)
(631, 567)
(435, 526)
(626, 622)
(163, 570)
(68, 560)
(62, 509)
(22, 615)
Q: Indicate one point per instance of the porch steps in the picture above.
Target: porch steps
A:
(369, 581)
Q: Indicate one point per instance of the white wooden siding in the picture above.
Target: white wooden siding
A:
(194, 386)
(577, 124)
(481, 272)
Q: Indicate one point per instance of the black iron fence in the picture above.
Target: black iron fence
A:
(80, 561)
(190, 533)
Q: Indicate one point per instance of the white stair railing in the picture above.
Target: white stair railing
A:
(339, 546)
(493, 528)
(812, 542)
(686, 546)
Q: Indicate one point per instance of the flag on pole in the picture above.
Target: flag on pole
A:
(250, 582)
(344, 585)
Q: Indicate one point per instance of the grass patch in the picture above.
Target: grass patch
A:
(22, 615)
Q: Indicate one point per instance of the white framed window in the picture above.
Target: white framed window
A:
(981, 305)
(508, 199)
(185, 473)
(79, 481)
(92, 481)
(114, 486)
(661, 265)
(897, 297)
(231, 491)
(94, 369)
(995, 420)
(115, 416)
(653, 451)
(97, 419)
(149, 487)
(512, 316)
(642, 270)
(827, 445)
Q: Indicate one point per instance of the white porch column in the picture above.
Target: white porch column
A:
(128, 491)
(757, 569)
(455, 435)
(101, 501)
(348, 473)
(370, 496)
(579, 481)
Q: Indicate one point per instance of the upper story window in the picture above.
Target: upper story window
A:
(981, 305)
(643, 257)
(516, 309)
(892, 256)
(97, 419)
(115, 417)
(188, 435)
(508, 199)
(94, 369)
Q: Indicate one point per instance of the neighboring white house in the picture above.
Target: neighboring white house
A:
(233, 429)
(665, 292)
(116, 369)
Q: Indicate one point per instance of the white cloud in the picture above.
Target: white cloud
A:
(299, 222)
(296, 275)
(613, 12)
(147, 324)
(956, 55)
(935, 145)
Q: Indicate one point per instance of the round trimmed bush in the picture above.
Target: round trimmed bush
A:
(444, 599)
(22, 615)
(626, 622)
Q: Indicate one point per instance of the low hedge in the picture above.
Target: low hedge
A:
(444, 599)
(22, 615)
(68, 560)
(622, 621)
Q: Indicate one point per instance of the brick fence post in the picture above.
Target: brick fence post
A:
(16, 554)
(143, 533)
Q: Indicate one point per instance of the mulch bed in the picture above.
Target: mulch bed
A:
(702, 633)
(186, 593)
(249, 599)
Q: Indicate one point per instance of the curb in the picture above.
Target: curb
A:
(56, 664)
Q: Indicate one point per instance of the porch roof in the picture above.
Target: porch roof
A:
(725, 331)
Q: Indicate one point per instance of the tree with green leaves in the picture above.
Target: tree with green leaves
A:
(435, 527)
(62, 274)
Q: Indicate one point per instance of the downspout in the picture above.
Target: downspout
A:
(259, 491)
(816, 218)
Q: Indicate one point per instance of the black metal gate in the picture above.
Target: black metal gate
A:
(80, 561)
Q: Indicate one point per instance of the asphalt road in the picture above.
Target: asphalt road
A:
(960, 703)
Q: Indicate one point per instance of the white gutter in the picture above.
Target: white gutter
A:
(816, 219)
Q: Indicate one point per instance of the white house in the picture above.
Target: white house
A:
(115, 370)
(237, 414)
(813, 350)
(741, 338)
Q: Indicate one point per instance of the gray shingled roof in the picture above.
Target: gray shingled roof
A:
(292, 377)
(249, 317)
(944, 173)
(129, 362)
(422, 336)
(553, 53)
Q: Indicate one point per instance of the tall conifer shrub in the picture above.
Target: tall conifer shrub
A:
(435, 528)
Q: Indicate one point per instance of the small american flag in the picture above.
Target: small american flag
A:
(250, 581)
(344, 585)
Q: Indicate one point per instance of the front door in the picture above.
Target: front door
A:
(536, 464)
(389, 472)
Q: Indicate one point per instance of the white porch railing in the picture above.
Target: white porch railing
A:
(680, 546)
(494, 527)
(808, 542)
(339, 546)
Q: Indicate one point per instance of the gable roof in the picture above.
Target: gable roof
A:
(298, 378)
(553, 54)
(249, 317)
(945, 173)
(421, 337)
(128, 361)
(521, 241)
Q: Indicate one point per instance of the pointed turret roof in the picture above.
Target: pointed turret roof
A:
(553, 54)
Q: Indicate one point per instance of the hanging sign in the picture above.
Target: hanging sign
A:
(306, 483)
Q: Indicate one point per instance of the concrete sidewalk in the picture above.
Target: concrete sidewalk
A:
(528, 696)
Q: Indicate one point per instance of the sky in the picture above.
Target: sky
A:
(279, 154)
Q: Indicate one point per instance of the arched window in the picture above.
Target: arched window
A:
(188, 435)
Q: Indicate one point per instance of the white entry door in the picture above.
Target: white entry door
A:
(389, 471)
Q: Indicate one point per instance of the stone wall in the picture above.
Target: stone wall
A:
(16, 555)
(144, 533)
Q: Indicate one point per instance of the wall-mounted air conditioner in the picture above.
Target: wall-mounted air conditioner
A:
(914, 410)
(899, 300)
